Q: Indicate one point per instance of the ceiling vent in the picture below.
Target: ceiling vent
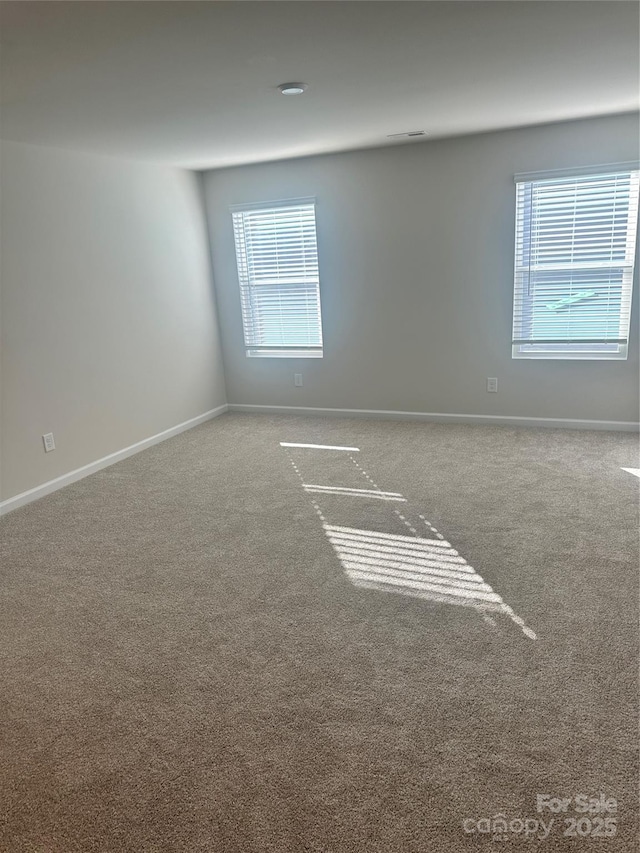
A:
(406, 135)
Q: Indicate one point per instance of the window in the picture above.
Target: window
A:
(277, 257)
(574, 256)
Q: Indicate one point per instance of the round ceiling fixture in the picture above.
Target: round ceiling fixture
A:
(292, 88)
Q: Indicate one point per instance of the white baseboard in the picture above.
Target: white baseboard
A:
(382, 414)
(78, 474)
(442, 417)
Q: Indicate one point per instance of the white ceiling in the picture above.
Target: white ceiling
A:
(194, 83)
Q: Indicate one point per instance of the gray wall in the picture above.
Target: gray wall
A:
(416, 265)
(109, 331)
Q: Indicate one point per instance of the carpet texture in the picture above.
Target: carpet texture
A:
(226, 645)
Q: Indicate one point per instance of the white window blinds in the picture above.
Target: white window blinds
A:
(574, 258)
(277, 257)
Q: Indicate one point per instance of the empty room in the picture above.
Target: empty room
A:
(319, 471)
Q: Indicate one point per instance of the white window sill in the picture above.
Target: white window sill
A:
(620, 354)
(284, 353)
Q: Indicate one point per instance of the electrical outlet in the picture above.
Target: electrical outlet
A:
(297, 380)
(492, 384)
(49, 443)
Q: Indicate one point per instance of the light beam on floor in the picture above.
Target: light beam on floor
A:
(354, 493)
(319, 446)
(428, 568)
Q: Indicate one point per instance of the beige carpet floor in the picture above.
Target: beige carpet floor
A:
(227, 645)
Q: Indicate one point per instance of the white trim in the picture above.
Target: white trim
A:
(272, 205)
(273, 352)
(442, 417)
(79, 473)
(578, 171)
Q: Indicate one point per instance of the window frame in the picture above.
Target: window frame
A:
(246, 285)
(614, 349)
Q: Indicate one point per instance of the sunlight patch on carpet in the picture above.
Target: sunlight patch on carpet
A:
(426, 567)
(319, 446)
